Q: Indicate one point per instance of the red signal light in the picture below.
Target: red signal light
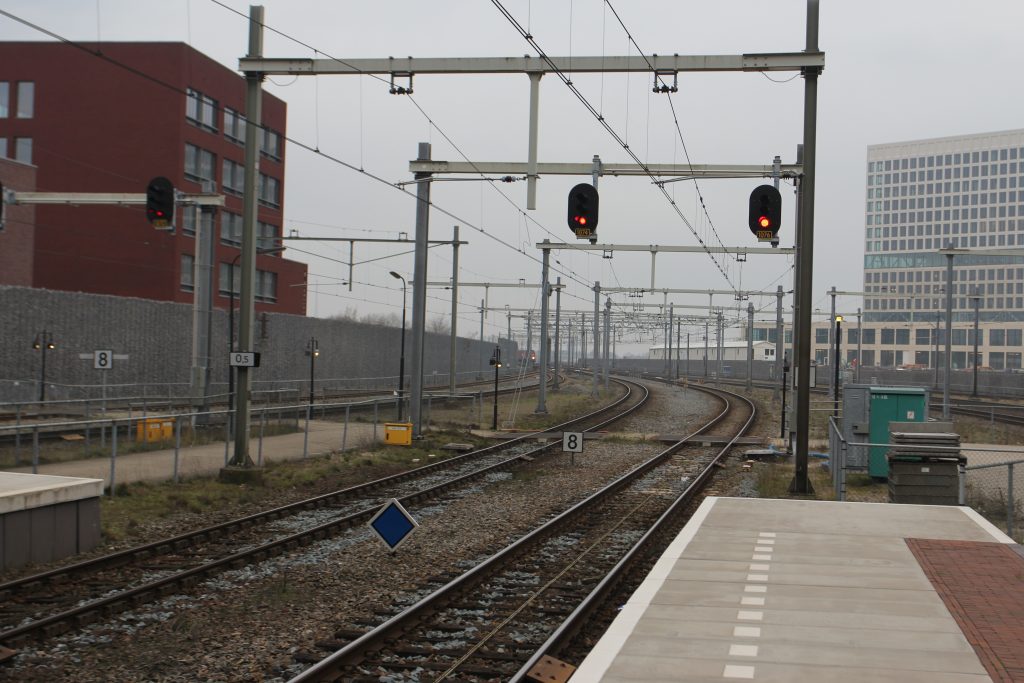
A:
(764, 222)
(582, 220)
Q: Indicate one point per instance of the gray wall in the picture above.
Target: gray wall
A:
(158, 338)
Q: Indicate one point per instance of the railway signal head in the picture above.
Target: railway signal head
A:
(582, 214)
(765, 215)
(160, 202)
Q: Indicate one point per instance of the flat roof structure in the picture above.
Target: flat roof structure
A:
(797, 590)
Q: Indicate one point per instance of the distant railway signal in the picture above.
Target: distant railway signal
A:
(160, 202)
(582, 214)
(765, 215)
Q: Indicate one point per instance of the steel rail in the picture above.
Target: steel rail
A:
(578, 617)
(332, 666)
(89, 612)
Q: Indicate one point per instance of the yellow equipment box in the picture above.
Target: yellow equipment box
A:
(154, 429)
(398, 433)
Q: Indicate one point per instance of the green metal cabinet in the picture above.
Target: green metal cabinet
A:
(892, 404)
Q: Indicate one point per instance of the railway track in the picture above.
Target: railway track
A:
(13, 431)
(45, 605)
(499, 620)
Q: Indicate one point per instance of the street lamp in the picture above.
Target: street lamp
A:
(496, 362)
(835, 382)
(313, 350)
(401, 362)
(43, 343)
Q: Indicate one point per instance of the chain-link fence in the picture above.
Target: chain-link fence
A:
(996, 490)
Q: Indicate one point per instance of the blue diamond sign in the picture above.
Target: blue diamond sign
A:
(393, 524)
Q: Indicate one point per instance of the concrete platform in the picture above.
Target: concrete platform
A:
(45, 517)
(794, 590)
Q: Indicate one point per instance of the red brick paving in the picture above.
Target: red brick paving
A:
(982, 585)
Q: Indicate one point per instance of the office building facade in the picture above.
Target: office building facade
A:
(107, 119)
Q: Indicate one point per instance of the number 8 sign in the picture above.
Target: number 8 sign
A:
(102, 360)
(572, 442)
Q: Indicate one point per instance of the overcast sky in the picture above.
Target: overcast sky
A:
(894, 71)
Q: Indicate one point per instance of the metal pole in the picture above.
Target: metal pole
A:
(835, 374)
(1009, 500)
(419, 291)
(544, 293)
(977, 300)
(750, 346)
(719, 330)
(668, 342)
(831, 338)
(401, 361)
(531, 152)
(860, 341)
(679, 335)
(780, 334)
(246, 312)
(801, 483)
(607, 338)
(949, 336)
(597, 335)
(455, 309)
(483, 308)
(314, 351)
(785, 372)
(706, 348)
(497, 356)
(687, 353)
(558, 338)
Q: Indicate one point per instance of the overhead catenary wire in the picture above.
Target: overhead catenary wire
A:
(611, 131)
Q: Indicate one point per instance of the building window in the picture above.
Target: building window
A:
(26, 99)
(188, 220)
(266, 285)
(23, 150)
(995, 360)
(997, 338)
(270, 144)
(1013, 337)
(270, 191)
(229, 273)
(231, 229)
(3, 148)
(5, 99)
(234, 125)
(821, 335)
(199, 163)
(266, 235)
(201, 109)
(233, 177)
(188, 266)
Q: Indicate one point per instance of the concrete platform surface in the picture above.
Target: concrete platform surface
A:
(796, 590)
(20, 491)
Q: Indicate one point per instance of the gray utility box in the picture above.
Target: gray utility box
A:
(924, 480)
(860, 425)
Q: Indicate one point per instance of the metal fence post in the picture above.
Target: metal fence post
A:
(375, 421)
(113, 452)
(227, 436)
(17, 433)
(35, 450)
(1009, 500)
(842, 470)
(259, 451)
(962, 484)
(177, 447)
(344, 431)
(305, 436)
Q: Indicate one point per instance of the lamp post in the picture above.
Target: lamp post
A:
(401, 361)
(976, 298)
(313, 351)
(835, 381)
(496, 362)
(43, 343)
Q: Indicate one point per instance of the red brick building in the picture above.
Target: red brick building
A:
(110, 123)
(17, 241)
